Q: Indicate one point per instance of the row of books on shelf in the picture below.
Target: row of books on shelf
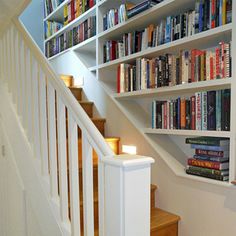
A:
(168, 30)
(210, 159)
(51, 5)
(170, 70)
(51, 27)
(70, 38)
(75, 8)
(72, 9)
(202, 111)
(125, 11)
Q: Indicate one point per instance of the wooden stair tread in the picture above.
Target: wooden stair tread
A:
(86, 102)
(110, 139)
(74, 87)
(161, 219)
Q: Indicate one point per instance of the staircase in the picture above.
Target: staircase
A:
(162, 223)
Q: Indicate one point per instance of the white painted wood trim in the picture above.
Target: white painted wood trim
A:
(88, 198)
(62, 160)
(74, 175)
(52, 141)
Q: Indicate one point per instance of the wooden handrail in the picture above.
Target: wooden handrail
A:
(96, 139)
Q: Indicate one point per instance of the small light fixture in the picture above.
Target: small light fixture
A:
(128, 149)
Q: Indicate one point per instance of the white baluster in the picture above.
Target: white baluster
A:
(5, 57)
(87, 155)
(23, 81)
(17, 73)
(62, 159)
(8, 61)
(74, 175)
(29, 95)
(43, 123)
(52, 141)
(13, 63)
(101, 197)
(35, 107)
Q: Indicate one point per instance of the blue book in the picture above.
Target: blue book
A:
(218, 110)
(168, 30)
(220, 12)
(210, 148)
(200, 19)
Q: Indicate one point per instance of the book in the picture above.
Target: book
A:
(210, 148)
(202, 170)
(209, 153)
(208, 164)
(212, 141)
(207, 175)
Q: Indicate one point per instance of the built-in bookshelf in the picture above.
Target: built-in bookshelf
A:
(137, 105)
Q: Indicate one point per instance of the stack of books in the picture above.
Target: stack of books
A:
(170, 70)
(51, 5)
(202, 111)
(51, 27)
(170, 29)
(75, 8)
(210, 159)
(70, 38)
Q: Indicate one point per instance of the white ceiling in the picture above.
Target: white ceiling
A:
(8, 8)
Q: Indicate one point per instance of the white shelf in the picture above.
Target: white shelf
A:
(92, 69)
(178, 89)
(89, 45)
(195, 41)
(76, 21)
(225, 134)
(58, 13)
(58, 54)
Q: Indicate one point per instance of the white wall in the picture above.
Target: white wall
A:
(205, 209)
(16, 215)
(32, 18)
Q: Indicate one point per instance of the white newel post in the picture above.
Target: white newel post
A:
(127, 195)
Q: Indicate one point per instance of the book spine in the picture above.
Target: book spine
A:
(206, 153)
(204, 110)
(216, 177)
(204, 164)
(211, 110)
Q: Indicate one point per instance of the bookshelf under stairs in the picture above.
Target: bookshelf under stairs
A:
(137, 105)
(162, 222)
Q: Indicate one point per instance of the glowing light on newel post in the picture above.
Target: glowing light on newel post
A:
(127, 149)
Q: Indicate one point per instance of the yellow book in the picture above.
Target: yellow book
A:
(77, 8)
(224, 12)
(66, 14)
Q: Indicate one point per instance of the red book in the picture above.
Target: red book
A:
(193, 112)
(213, 14)
(217, 63)
(211, 68)
(72, 7)
(91, 3)
(222, 59)
(208, 164)
(118, 79)
(183, 113)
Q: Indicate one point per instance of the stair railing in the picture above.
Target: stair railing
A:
(54, 122)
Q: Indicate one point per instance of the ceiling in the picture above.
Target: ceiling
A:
(9, 8)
